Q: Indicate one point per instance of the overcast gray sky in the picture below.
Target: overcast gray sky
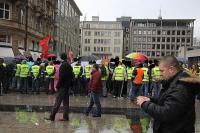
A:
(111, 9)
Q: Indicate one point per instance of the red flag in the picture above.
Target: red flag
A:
(70, 54)
(44, 44)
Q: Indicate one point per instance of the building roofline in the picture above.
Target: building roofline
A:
(163, 19)
(73, 3)
(102, 21)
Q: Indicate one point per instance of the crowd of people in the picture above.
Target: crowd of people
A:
(119, 78)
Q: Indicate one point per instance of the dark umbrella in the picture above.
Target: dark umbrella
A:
(88, 58)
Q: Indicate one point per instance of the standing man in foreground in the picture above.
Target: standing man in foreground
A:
(64, 83)
(174, 110)
(95, 87)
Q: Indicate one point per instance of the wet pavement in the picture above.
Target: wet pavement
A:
(25, 114)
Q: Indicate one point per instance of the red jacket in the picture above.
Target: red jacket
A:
(95, 84)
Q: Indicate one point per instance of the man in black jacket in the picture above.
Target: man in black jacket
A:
(174, 110)
(64, 83)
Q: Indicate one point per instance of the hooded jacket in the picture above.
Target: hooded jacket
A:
(174, 110)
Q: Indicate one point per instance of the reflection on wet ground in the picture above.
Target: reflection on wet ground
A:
(25, 114)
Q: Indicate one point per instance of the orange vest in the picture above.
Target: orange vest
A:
(139, 77)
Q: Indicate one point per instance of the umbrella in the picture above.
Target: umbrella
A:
(88, 58)
(52, 56)
(137, 57)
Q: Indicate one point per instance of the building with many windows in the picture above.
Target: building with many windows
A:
(160, 37)
(66, 31)
(23, 24)
(101, 38)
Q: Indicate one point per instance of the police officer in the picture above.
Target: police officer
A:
(77, 70)
(16, 78)
(145, 84)
(129, 70)
(50, 75)
(35, 73)
(87, 74)
(155, 80)
(24, 72)
(119, 76)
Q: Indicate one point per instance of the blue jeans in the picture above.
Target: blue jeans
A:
(35, 85)
(145, 87)
(94, 99)
(156, 89)
(135, 91)
(129, 88)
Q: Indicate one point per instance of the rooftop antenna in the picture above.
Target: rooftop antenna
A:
(160, 14)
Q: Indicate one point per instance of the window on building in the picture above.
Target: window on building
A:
(173, 32)
(168, 32)
(101, 49)
(95, 49)
(173, 47)
(149, 39)
(163, 39)
(139, 32)
(139, 39)
(144, 39)
(148, 53)
(116, 49)
(127, 29)
(183, 40)
(168, 39)
(149, 32)
(95, 41)
(177, 47)
(153, 39)
(188, 40)
(154, 32)
(143, 46)
(158, 32)
(98, 49)
(178, 40)
(168, 46)
(85, 48)
(158, 46)
(162, 53)
(138, 46)
(5, 38)
(148, 46)
(163, 46)
(183, 32)
(173, 39)
(164, 32)
(153, 46)
(189, 32)
(153, 53)
(157, 53)
(144, 32)
(4, 10)
(89, 49)
(117, 34)
(135, 32)
(178, 32)
(158, 39)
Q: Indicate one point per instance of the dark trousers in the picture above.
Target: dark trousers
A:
(50, 81)
(62, 96)
(94, 99)
(35, 85)
(76, 86)
(22, 86)
(118, 86)
(1, 86)
(83, 86)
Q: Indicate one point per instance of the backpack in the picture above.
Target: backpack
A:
(103, 71)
